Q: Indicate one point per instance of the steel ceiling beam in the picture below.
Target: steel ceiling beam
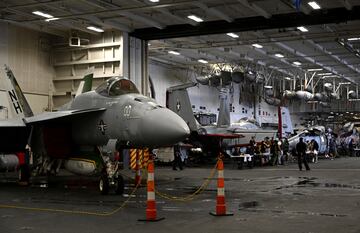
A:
(214, 11)
(294, 19)
(256, 8)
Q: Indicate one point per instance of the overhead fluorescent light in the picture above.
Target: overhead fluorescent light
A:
(233, 35)
(314, 5)
(259, 46)
(42, 14)
(287, 78)
(268, 87)
(303, 29)
(279, 55)
(203, 61)
(195, 18)
(51, 19)
(174, 52)
(297, 63)
(353, 39)
(154, 0)
(315, 69)
(322, 74)
(96, 29)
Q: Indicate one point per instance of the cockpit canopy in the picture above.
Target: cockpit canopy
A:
(116, 86)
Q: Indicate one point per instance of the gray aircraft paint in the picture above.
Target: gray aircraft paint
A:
(134, 120)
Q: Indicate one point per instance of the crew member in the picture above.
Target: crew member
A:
(301, 154)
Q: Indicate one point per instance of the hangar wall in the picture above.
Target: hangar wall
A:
(28, 54)
(205, 98)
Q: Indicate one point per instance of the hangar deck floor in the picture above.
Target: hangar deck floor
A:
(274, 199)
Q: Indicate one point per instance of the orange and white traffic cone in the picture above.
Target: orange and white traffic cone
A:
(220, 198)
(151, 215)
(137, 169)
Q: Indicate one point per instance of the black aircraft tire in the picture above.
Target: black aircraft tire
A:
(104, 184)
(119, 189)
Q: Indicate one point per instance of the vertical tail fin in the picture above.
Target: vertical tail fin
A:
(179, 102)
(286, 120)
(85, 84)
(224, 110)
(20, 106)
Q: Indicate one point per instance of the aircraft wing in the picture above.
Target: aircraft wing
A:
(17, 122)
(49, 116)
(220, 135)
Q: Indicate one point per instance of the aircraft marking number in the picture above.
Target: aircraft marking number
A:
(127, 111)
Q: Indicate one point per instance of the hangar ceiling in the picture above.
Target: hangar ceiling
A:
(265, 32)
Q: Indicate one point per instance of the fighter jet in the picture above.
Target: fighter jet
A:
(113, 111)
(214, 138)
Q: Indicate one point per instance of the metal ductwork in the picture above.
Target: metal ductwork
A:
(328, 87)
(250, 76)
(204, 80)
(304, 95)
(272, 101)
(352, 95)
(269, 92)
(289, 94)
(238, 77)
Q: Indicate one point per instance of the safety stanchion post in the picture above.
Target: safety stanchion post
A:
(220, 198)
(151, 213)
(137, 169)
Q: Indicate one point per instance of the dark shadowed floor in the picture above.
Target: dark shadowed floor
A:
(272, 199)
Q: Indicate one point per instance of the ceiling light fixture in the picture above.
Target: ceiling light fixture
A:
(195, 18)
(323, 74)
(233, 35)
(268, 87)
(51, 19)
(203, 61)
(287, 78)
(259, 46)
(96, 29)
(42, 14)
(315, 69)
(314, 5)
(154, 0)
(297, 63)
(302, 29)
(174, 52)
(353, 39)
(279, 55)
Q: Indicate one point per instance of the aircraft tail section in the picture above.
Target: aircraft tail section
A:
(18, 102)
(286, 121)
(224, 110)
(85, 84)
(177, 100)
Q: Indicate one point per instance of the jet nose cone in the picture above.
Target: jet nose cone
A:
(162, 127)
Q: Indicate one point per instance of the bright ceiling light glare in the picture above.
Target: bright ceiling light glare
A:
(303, 29)
(287, 78)
(314, 5)
(353, 39)
(95, 29)
(51, 19)
(203, 61)
(42, 14)
(195, 18)
(233, 35)
(258, 46)
(154, 1)
(268, 87)
(323, 74)
(174, 52)
(315, 69)
(297, 63)
(279, 55)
